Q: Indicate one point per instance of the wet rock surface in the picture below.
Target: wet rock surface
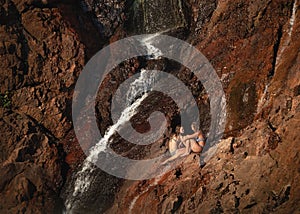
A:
(256, 169)
(151, 17)
(254, 48)
(107, 15)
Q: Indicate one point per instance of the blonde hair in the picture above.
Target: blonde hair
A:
(194, 126)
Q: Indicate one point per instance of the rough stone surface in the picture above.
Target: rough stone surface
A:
(107, 15)
(41, 57)
(254, 47)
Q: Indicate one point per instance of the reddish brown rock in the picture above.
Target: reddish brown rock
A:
(32, 164)
(42, 57)
(254, 48)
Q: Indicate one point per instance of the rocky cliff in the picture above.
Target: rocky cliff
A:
(253, 46)
(255, 50)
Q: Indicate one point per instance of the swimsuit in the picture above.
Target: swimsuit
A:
(200, 140)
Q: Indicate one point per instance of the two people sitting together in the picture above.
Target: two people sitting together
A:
(182, 145)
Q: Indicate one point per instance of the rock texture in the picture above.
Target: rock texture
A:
(107, 15)
(41, 57)
(146, 16)
(254, 47)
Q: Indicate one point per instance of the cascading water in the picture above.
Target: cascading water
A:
(154, 19)
(293, 17)
(84, 177)
(290, 32)
(153, 52)
(139, 87)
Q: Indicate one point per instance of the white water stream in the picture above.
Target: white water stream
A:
(140, 86)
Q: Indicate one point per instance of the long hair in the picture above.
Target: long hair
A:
(194, 126)
(177, 130)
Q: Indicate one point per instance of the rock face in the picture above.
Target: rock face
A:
(41, 57)
(151, 17)
(31, 167)
(254, 48)
(107, 15)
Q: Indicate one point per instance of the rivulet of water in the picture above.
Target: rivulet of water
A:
(84, 176)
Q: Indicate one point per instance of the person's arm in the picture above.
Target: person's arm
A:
(187, 137)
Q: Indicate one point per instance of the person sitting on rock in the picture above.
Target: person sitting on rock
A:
(180, 145)
(197, 144)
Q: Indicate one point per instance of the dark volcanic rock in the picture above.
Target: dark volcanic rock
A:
(107, 15)
(151, 16)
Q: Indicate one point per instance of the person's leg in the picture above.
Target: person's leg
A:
(187, 145)
(179, 152)
(195, 147)
(201, 143)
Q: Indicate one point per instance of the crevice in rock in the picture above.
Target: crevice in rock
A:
(231, 150)
(24, 53)
(225, 190)
(247, 191)
(218, 209)
(250, 205)
(237, 202)
(285, 195)
(297, 91)
(10, 16)
(178, 173)
(64, 165)
(177, 204)
(43, 129)
(219, 187)
(271, 126)
(275, 52)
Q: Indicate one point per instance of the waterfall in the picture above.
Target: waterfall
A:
(147, 17)
(84, 177)
(290, 32)
(139, 87)
(293, 17)
(152, 51)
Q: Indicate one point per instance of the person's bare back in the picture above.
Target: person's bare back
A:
(173, 144)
